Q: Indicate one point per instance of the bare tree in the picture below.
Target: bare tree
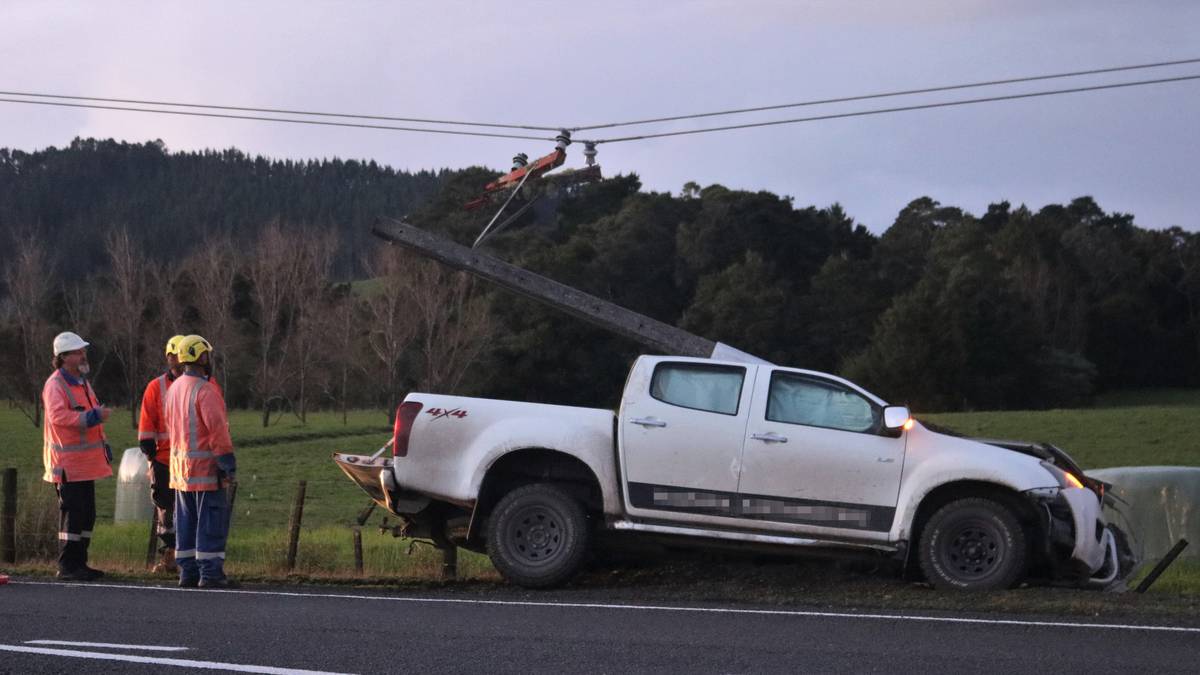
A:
(390, 329)
(80, 301)
(273, 273)
(28, 281)
(212, 269)
(339, 328)
(165, 281)
(314, 261)
(453, 324)
(126, 309)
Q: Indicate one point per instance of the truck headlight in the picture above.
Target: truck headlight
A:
(1065, 479)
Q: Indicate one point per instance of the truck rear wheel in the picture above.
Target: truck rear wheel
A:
(537, 536)
(973, 544)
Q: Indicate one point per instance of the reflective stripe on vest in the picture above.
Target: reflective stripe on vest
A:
(193, 432)
(162, 397)
(62, 382)
(80, 447)
(163, 383)
(202, 480)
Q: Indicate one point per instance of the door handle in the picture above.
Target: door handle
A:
(648, 422)
(769, 437)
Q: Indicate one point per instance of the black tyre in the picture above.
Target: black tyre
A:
(973, 544)
(537, 536)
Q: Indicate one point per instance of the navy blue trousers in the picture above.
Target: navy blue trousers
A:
(76, 517)
(201, 528)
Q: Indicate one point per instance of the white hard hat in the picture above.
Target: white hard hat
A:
(68, 342)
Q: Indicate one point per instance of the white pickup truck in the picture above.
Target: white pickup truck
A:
(717, 453)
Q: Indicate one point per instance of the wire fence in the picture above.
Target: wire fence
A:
(279, 525)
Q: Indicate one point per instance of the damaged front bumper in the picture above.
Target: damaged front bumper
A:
(1080, 545)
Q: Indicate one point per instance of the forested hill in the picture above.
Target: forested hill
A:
(73, 195)
(944, 310)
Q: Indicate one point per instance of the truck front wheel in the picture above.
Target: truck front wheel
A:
(537, 536)
(973, 544)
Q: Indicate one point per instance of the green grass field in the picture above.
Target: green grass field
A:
(1136, 428)
(1125, 429)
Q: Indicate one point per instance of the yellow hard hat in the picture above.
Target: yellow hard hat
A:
(191, 347)
(173, 345)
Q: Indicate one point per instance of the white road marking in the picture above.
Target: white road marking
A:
(650, 608)
(111, 645)
(162, 661)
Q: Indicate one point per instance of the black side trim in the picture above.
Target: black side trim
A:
(761, 507)
(681, 499)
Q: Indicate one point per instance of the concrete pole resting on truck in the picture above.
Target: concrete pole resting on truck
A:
(659, 336)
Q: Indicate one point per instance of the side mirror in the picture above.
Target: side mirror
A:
(895, 417)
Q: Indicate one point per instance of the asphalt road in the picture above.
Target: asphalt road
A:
(153, 629)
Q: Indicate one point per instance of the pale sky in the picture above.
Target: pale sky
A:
(578, 63)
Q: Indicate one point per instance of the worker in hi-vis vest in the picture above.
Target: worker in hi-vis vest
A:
(74, 452)
(156, 444)
(202, 466)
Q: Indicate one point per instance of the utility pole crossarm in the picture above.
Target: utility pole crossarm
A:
(650, 332)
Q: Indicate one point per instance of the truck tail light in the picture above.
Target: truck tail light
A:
(405, 415)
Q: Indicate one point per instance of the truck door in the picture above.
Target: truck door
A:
(681, 429)
(815, 457)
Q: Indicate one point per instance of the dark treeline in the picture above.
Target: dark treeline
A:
(75, 194)
(944, 310)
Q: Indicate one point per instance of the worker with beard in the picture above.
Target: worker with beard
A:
(75, 453)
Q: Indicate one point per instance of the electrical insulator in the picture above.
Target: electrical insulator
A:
(520, 160)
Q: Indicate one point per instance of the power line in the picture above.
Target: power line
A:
(529, 127)
(452, 132)
(906, 92)
(280, 111)
(880, 111)
(448, 132)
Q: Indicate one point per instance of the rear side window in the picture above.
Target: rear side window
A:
(699, 386)
(797, 399)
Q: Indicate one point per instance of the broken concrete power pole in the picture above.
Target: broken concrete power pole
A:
(655, 334)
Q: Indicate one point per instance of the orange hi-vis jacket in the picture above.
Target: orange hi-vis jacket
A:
(198, 429)
(152, 422)
(72, 450)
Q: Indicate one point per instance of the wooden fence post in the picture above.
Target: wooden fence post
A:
(358, 552)
(294, 526)
(8, 518)
(151, 545)
(449, 563)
